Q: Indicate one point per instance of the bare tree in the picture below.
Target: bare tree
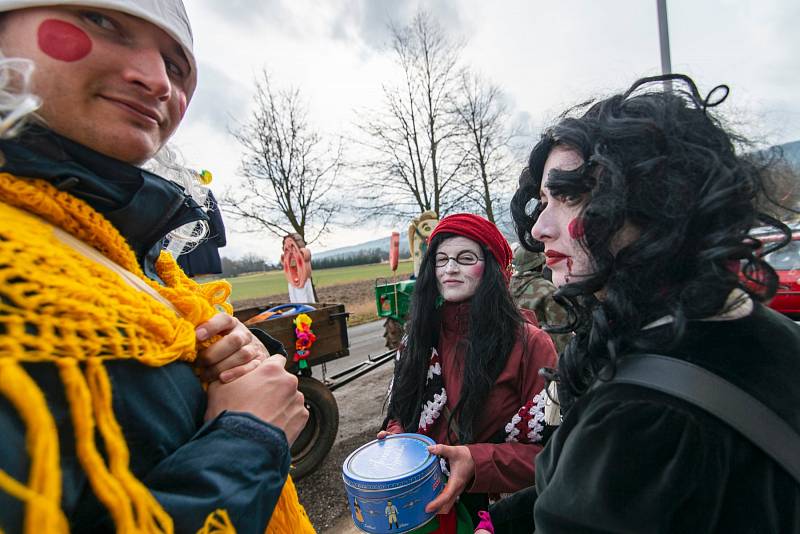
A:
(487, 142)
(288, 172)
(414, 162)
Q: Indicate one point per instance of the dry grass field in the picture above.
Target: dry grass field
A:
(351, 286)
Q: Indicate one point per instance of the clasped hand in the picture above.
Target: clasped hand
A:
(233, 356)
(242, 378)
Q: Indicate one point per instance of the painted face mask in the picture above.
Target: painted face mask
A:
(459, 266)
(559, 225)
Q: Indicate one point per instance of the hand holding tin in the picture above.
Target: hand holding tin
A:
(462, 471)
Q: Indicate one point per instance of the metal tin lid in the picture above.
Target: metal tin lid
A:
(393, 462)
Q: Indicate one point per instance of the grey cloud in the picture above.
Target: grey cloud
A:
(368, 21)
(372, 20)
(363, 21)
(219, 99)
(528, 131)
(247, 13)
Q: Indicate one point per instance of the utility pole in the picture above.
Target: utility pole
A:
(663, 39)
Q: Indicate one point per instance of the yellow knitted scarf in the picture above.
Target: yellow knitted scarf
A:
(58, 305)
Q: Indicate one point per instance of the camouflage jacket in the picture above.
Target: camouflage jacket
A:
(533, 292)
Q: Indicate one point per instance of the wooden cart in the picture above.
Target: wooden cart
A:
(329, 324)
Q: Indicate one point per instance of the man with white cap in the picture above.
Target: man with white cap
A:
(103, 423)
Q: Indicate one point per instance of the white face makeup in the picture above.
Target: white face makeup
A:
(462, 265)
(559, 226)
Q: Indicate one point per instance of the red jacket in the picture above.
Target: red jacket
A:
(499, 467)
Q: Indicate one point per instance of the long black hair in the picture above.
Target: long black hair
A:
(657, 160)
(494, 326)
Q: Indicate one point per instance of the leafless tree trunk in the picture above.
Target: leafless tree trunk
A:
(288, 172)
(413, 162)
(487, 155)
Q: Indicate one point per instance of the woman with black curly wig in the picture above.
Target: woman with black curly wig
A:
(644, 207)
(468, 372)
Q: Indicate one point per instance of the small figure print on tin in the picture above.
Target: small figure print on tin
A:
(391, 515)
(357, 511)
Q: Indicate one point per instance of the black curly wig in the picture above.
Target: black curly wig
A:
(656, 159)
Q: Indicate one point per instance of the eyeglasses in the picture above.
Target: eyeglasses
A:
(463, 258)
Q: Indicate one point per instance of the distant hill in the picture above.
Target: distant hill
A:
(505, 224)
(382, 244)
(791, 152)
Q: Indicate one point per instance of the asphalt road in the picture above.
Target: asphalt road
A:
(365, 340)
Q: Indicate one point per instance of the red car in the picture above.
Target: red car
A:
(786, 262)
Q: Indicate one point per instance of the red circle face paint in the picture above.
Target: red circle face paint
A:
(63, 41)
(575, 228)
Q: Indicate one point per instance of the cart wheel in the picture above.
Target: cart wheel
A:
(392, 332)
(316, 439)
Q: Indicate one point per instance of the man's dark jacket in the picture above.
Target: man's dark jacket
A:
(235, 462)
(204, 258)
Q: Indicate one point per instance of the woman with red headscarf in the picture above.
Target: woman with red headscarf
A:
(468, 372)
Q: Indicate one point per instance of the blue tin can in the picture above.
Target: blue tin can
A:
(390, 481)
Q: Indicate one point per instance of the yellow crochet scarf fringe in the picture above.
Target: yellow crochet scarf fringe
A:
(53, 310)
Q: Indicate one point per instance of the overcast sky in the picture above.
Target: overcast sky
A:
(546, 56)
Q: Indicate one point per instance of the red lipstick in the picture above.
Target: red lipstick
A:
(554, 256)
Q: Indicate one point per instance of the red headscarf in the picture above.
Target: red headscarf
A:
(481, 231)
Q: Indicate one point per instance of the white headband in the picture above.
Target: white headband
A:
(169, 15)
